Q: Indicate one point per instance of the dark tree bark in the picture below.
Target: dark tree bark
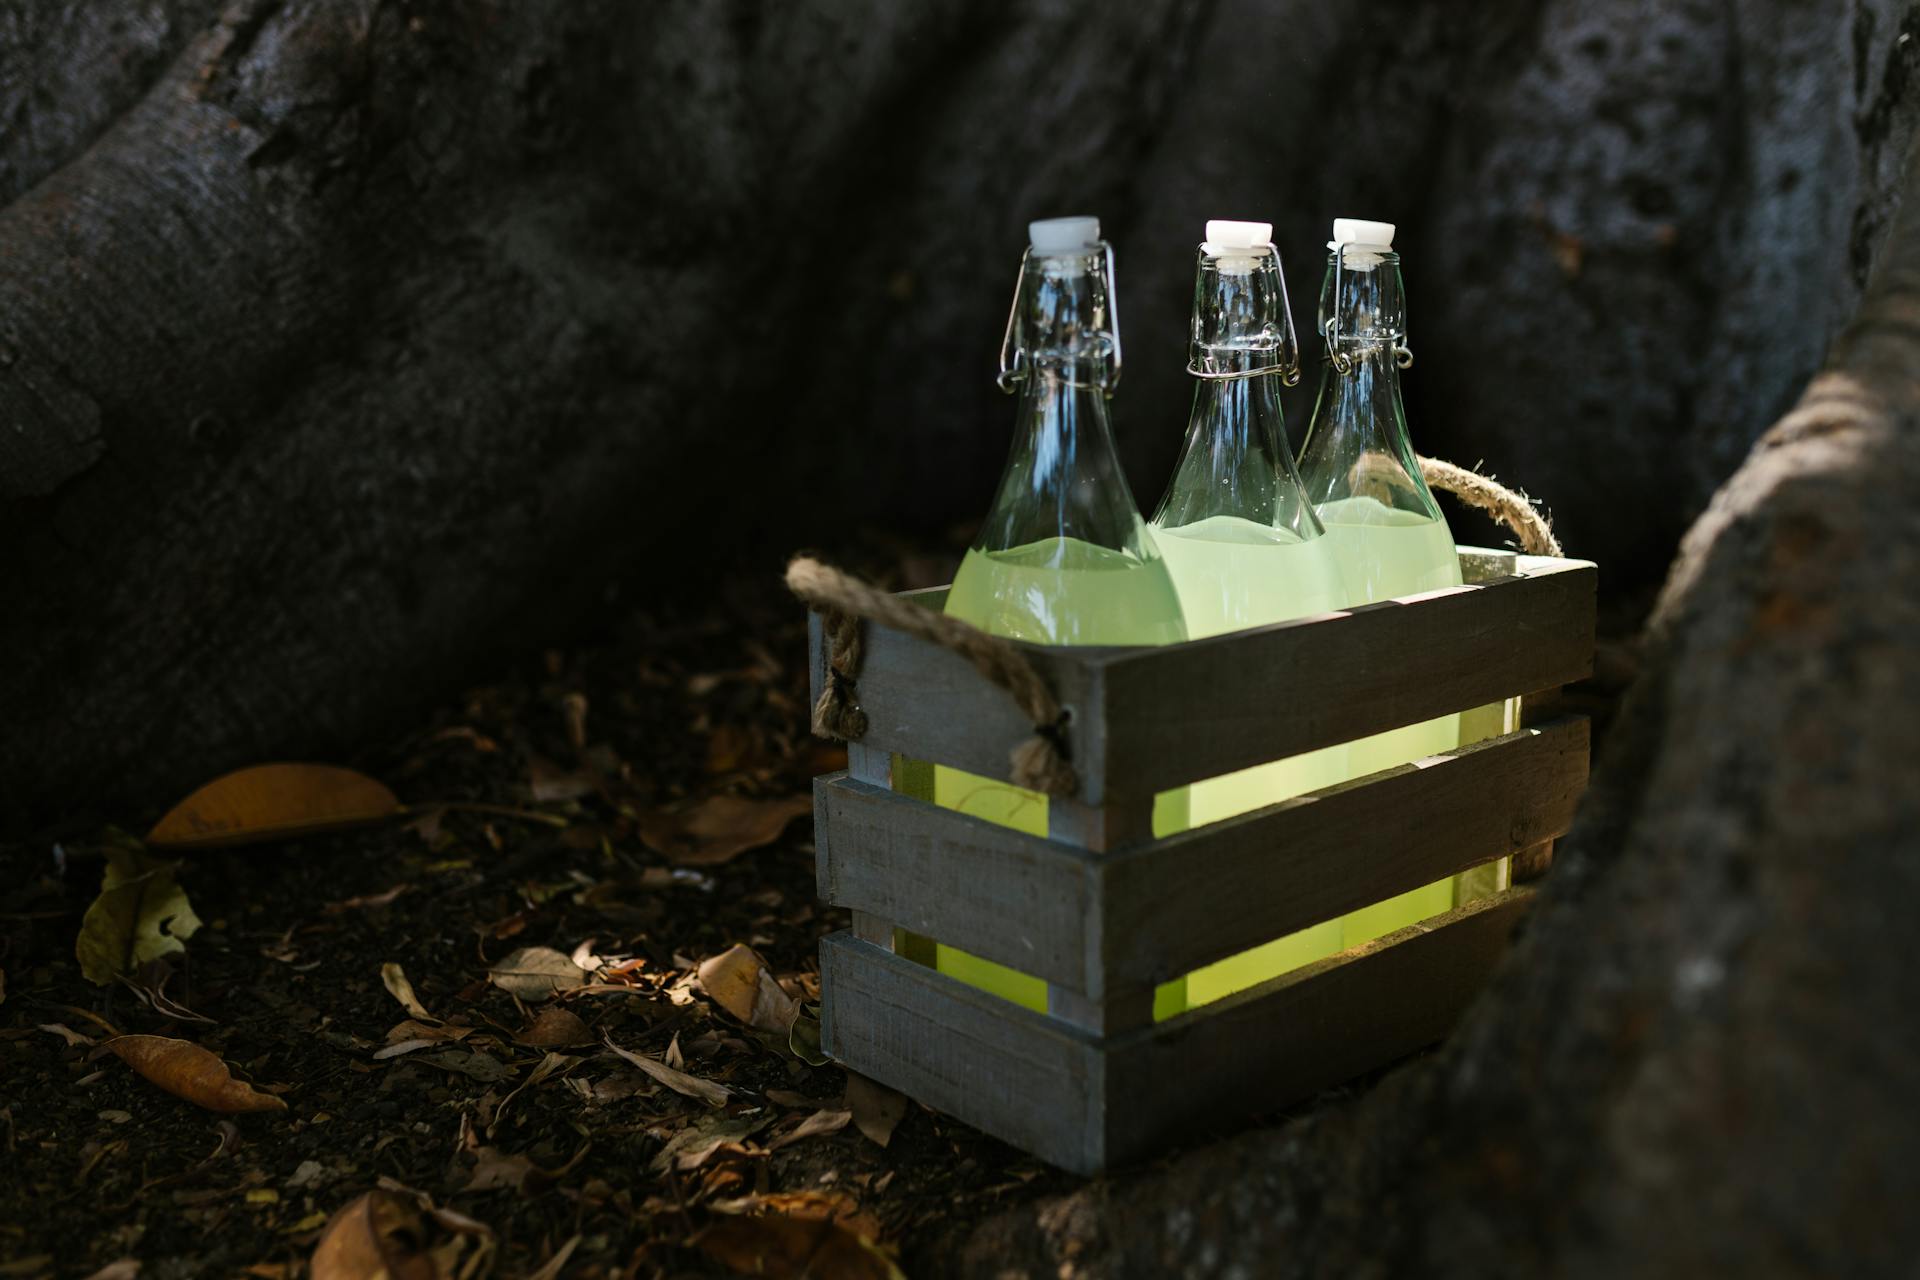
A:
(346, 346)
(1699, 1058)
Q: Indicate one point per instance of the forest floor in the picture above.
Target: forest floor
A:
(565, 1095)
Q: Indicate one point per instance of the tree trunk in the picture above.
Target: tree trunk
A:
(1699, 1058)
(347, 348)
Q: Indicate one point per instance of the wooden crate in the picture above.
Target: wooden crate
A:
(1103, 912)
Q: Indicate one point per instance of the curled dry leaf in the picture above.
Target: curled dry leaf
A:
(714, 1095)
(394, 978)
(706, 1136)
(719, 828)
(790, 1248)
(141, 915)
(740, 982)
(273, 802)
(819, 1124)
(387, 1235)
(536, 973)
(556, 1028)
(876, 1108)
(188, 1071)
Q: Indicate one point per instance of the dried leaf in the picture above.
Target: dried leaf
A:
(412, 1030)
(876, 1108)
(385, 899)
(124, 1269)
(803, 1041)
(385, 1235)
(790, 1248)
(814, 1126)
(394, 978)
(550, 1269)
(494, 1169)
(719, 828)
(472, 1063)
(536, 973)
(829, 1206)
(273, 802)
(714, 1095)
(188, 1071)
(66, 1033)
(556, 1028)
(694, 1145)
(140, 916)
(739, 982)
(548, 782)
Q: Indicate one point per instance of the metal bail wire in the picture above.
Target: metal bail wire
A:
(1013, 354)
(1288, 369)
(1013, 357)
(1341, 362)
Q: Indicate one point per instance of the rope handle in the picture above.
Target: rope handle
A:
(1040, 763)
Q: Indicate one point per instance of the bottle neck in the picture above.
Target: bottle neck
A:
(1235, 461)
(1357, 446)
(1063, 478)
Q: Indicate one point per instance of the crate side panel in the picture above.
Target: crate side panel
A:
(1286, 1040)
(998, 1067)
(1214, 892)
(998, 893)
(1198, 710)
(928, 703)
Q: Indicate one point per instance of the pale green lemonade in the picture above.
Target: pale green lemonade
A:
(1382, 552)
(1055, 591)
(1231, 574)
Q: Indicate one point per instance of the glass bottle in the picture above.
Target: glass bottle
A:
(1240, 537)
(1384, 530)
(1064, 556)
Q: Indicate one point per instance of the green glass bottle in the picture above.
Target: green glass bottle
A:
(1384, 529)
(1064, 556)
(1240, 537)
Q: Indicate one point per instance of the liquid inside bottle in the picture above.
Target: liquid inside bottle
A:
(1385, 532)
(1064, 556)
(1240, 538)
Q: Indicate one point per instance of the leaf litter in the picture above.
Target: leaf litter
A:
(638, 1091)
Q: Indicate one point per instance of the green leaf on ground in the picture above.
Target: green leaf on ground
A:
(142, 913)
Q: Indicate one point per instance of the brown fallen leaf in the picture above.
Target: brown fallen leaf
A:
(705, 1137)
(385, 899)
(414, 1030)
(391, 1236)
(876, 1108)
(394, 978)
(555, 1028)
(789, 1248)
(124, 1269)
(548, 782)
(714, 1095)
(829, 1206)
(816, 1125)
(188, 1071)
(740, 982)
(536, 973)
(273, 802)
(719, 828)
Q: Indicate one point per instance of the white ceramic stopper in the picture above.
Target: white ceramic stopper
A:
(1064, 235)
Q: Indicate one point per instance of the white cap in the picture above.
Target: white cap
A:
(1064, 235)
(1223, 236)
(1375, 235)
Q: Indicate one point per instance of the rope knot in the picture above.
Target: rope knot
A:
(1043, 762)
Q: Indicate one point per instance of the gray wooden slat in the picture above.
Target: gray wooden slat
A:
(1150, 719)
(1019, 1075)
(1185, 712)
(1275, 1044)
(1211, 893)
(1151, 913)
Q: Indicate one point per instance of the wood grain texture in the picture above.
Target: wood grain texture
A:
(1110, 923)
(1087, 1103)
(1287, 1039)
(1145, 720)
(1197, 710)
(1019, 1075)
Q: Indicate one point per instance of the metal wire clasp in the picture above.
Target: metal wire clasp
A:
(1289, 366)
(1343, 363)
(1013, 356)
